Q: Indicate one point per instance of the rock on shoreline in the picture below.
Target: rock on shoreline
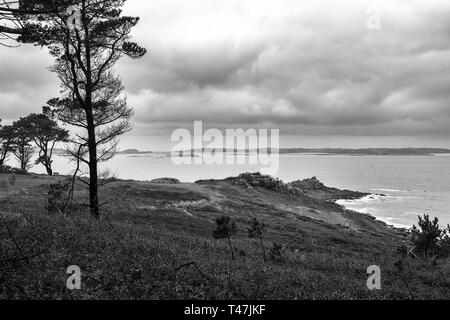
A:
(310, 187)
(316, 189)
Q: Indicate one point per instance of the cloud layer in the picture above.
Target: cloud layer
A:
(306, 67)
(303, 66)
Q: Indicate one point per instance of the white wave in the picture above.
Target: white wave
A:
(365, 206)
(367, 210)
(388, 190)
(345, 202)
(391, 221)
(410, 213)
(367, 199)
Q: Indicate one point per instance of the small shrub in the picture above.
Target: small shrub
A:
(56, 201)
(256, 230)
(403, 268)
(4, 185)
(444, 243)
(12, 179)
(7, 169)
(402, 251)
(276, 252)
(225, 229)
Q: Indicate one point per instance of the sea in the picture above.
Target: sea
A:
(401, 187)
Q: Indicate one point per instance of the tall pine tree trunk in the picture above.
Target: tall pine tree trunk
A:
(92, 139)
(47, 162)
(93, 166)
(49, 169)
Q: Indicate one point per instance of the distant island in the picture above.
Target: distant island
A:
(318, 151)
(62, 152)
(370, 151)
(324, 151)
(133, 151)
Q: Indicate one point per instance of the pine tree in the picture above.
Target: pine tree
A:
(86, 49)
(45, 133)
(426, 238)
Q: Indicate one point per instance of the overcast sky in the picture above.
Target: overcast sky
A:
(310, 68)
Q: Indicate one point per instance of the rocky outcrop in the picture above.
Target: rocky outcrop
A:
(257, 180)
(166, 181)
(316, 189)
(312, 187)
(309, 184)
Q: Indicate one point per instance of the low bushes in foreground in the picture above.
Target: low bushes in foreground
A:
(126, 261)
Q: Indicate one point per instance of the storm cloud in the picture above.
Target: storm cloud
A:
(306, 67)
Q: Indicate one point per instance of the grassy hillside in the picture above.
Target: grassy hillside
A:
(155, 242)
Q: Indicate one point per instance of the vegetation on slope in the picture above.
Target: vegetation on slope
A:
(157, 243)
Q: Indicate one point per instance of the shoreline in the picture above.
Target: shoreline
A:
(347, 204)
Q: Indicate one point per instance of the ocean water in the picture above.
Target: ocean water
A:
(411, 185)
